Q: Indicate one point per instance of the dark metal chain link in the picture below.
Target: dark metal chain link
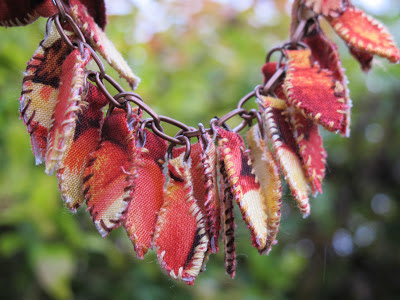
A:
(123, 98)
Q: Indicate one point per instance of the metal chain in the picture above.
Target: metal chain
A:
(123, 98)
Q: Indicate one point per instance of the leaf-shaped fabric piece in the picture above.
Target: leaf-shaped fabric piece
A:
(100, 42)
(212, 205)
(331, 8)
(141, 217)
(109, 179)
(280, 133)
(227, 220)
(197, 173)
(311, 149)
(24, 12)
(40, 89)
(267, 173)
(69, 105)
(245, 188)
(180, 237)
(201, 192)
(365, 33)
(314, 92)
(85, 140)
(365, 59)
(325, 53)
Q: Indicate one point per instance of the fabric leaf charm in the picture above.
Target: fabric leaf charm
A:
(311, 150)
(285, 148)
(85, 140)
(245, 188)
(180, 237)
(100, 42)
(363, 32)
(204, 188)
(40, 90)
(69, 105)
(110, 174)
(212, 205)
(314, 92)
(227, 220)
(267, 174)
(24, 12)
(141, 217)
(324, 53)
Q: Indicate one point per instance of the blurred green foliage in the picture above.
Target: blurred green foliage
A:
(347, 248)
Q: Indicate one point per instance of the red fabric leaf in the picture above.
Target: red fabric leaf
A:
(180, 238)
(23, 12)
(363, 32)
(85, 141)
(331, 8)
(141, 217)
(280, 133)
(205, 196)
(69, 105)
(227, 220)
(100, 42)
(267, 173)
(244, 186)
(315, 92)
(40, 89)
(325, 53)
(109, 179)
(311, 150)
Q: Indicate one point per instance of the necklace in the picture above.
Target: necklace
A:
(116, 163)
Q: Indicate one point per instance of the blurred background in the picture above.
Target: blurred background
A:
(196, 60)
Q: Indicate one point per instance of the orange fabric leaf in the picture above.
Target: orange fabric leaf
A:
(180, 237)
(100, 42)
(245, 188)
(315, 92)
(311, 150)
(267, 174)
(85, 141)
(40, 89)
(331, 8)
(363, 32)
(69, 105)
(324, 52)
(141, 217)
(227, 220)
(109, 178)
(280, 133)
